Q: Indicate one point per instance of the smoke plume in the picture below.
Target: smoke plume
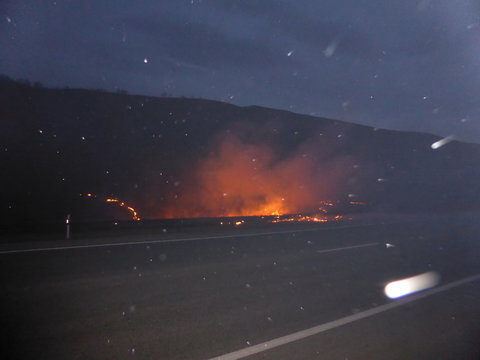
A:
(246, 175)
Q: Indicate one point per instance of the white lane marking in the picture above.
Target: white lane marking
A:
(71, 247)
(255, 349)
(346, 248)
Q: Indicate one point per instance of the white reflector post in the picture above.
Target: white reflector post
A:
(67, 227)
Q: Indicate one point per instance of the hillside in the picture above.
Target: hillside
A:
(178, 157)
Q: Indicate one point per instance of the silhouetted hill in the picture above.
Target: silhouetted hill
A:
(56, 144)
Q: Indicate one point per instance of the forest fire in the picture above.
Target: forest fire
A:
(132, 211)
(129, 208)
(307, 218)
(311, 218)
(240, 178)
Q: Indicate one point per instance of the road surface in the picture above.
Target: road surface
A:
(306, 291)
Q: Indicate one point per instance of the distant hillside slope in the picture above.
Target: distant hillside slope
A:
(168, 156)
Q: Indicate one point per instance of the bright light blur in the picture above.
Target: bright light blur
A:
(399, 288)
(442, 142)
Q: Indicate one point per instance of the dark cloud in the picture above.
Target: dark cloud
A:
(205, 45)
(275, 10)
(289, 22)
(409, 65)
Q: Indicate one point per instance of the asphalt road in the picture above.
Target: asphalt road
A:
(275, 292)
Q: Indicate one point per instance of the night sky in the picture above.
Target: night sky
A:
(409, 65)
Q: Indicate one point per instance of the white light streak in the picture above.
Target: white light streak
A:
(330, 50)
(399, 288)
(444, 141)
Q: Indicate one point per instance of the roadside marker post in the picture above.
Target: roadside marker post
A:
(67, 230)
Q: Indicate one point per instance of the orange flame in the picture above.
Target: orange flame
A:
(129, 208)
(243, 179)
(132, 211)
(306, 218)
(357, 203)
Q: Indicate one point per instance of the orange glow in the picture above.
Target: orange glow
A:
(238, 178)
(357, 203)
(306, 218)
(132, 211)
(327, 203)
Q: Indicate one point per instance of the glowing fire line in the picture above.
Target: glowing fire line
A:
(132, 211)
(311, 218)
(280, 217)
(307, 218)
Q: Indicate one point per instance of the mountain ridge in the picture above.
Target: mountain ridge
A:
(59, 143)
